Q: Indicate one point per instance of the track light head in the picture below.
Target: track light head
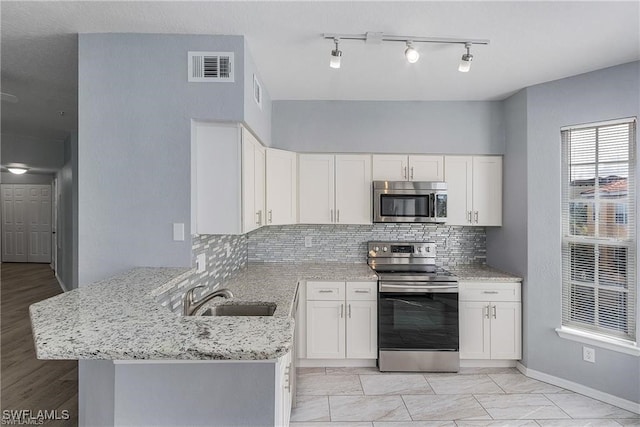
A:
(411, 53)
(465, 61)
(336, 56)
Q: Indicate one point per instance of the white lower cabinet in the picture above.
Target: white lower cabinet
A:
(490, 320)
(284, 395)
(341, 320)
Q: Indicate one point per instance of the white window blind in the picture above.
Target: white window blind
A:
(599, 229)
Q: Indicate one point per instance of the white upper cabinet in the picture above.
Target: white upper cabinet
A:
(353, 189)
(253, 183)
(474, 190)
(334, 189)
(228, 179)
(281, 187)
(394, 167)
(316, 188)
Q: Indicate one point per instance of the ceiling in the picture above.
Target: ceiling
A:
(531, 42)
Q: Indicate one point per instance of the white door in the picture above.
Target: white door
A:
(458, 175)
(316, 188)
(353, 189)
(14, 227)
(325, 330)
(39, 223)
(281, 187)
(475, 339)
(362, 340)
(250, 214)
(390, 167)
(426, 168)
(487, 190)
(506, 335)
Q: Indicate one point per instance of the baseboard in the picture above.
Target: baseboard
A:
(579, 388)
(337, 363)
(61, 283)
(486, 363)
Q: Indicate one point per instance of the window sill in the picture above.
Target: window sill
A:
(598, 341)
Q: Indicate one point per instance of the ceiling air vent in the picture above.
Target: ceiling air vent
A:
(210, 67)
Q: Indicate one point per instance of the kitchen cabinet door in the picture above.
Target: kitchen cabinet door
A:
(390, 167)
(325, 330)
(353, 189)
(459, 178)
(475, 338)
(316, 186)
(281, 188)
(362, 327)
(506, 330)
(283, 390)
(487, 190)
(426, 168)
(253, 180)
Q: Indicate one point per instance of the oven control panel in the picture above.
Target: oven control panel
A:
(401, 249)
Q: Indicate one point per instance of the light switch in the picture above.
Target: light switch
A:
(178, 231)
(308, 241)
(201, 263)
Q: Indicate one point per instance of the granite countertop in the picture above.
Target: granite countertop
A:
(482, 273)
(120, 319)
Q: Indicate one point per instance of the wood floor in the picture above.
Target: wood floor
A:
(26, 382)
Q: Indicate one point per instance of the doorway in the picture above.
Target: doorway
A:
(26, 223)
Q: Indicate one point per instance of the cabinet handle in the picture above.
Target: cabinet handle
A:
(405, 173)
(331, 215)
(337, 215)
(259, 218)
(270, 216)
(341, 311)
(476, 216)
(494, 312)
(362, 291)
(349, 311)
(325, 291)
(469, 217)
(489, 292)
(411, 172)
(486, 313)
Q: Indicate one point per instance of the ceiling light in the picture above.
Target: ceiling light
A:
(411, 53)
(465, 61)
(18, 170)
(336, 56)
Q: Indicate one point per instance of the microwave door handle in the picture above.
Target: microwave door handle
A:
(432, 205)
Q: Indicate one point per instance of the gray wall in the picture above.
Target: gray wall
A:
(68, 215)
(34, 152)
(258, 120)
(507, 245)
(135, 116)
(601, 95)
(456, 127)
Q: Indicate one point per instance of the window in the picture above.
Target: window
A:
(599, 228)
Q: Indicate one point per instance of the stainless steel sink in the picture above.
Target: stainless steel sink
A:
(241, 310)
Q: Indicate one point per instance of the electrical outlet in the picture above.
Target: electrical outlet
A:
(201, 263)
(588, 354)
(308, 241)
(227, 248)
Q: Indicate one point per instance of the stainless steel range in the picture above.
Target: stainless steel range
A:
(417, 308)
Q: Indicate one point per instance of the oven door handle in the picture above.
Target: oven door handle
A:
(417, 288)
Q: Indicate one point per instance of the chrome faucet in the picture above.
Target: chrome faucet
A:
(190, 307)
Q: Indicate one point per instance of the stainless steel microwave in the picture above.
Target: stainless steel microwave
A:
(406, 201)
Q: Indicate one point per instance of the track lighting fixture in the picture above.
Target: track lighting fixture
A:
(410, 52)
(465, 62)
(336, 55)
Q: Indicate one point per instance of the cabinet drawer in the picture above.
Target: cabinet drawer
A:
(325, 291)
(489, 291)
(362, 291)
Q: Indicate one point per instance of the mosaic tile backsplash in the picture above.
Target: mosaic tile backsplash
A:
(348, 243)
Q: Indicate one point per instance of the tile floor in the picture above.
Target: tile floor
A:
(364, 397)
